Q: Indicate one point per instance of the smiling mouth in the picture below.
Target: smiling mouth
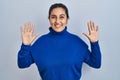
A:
(58, 26)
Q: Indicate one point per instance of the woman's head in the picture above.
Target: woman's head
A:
(58, 5)
(58, 16)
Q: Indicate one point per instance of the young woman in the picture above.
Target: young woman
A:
(59, 55)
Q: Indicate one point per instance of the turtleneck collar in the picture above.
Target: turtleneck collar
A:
(52, 32)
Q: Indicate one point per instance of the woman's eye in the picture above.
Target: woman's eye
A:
(53, 17)
(61, 17)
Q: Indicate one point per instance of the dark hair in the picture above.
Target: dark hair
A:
(56, 5)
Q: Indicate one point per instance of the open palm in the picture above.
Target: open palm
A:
(93, 32)
(27, 34)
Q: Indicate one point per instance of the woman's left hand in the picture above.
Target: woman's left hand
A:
(93, 32)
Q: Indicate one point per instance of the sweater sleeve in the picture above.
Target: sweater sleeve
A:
(93, 57)
(24, 56)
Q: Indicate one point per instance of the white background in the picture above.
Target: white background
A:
(105, 13)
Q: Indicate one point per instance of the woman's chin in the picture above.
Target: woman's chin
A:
(58, 29)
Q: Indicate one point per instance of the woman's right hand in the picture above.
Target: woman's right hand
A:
(27, 34)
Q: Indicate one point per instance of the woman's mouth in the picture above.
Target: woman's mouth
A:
(58, 26)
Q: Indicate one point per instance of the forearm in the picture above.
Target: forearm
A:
(96, 54)
(24, 56)
(93, 57)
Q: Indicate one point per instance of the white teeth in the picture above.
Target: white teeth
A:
(57, 26)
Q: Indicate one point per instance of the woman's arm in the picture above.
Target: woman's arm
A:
(93, 58)
(24, 55)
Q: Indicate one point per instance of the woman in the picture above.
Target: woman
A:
(59, 55)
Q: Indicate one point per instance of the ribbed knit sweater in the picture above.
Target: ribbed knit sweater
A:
(59, 55)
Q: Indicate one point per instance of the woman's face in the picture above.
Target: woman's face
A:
(58, 19)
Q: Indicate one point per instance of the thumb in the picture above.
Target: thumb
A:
(35, 36)
(87, 35)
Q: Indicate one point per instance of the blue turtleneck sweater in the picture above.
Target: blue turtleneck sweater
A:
(59, 55)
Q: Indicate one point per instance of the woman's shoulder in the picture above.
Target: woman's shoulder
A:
(78, 39)
(40, 38)
(75, 37)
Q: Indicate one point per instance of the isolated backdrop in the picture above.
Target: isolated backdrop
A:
(105, 13)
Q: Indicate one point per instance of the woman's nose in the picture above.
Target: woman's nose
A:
(57, 20)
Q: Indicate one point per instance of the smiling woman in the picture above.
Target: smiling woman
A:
(59, 54)
(58, 19)
(58, 16)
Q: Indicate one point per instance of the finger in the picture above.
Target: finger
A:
(91, 25)
(89, 28)
(28, 26)
(32, 29)
(25, 27)
(87, 35)
(96, 28)
(35, 36)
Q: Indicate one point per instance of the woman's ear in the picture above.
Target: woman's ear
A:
(67, 21)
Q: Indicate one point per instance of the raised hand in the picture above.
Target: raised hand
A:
(27, 33)
(93, 32)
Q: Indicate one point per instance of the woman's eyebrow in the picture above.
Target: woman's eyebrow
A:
(62, 14)
(53, 15)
